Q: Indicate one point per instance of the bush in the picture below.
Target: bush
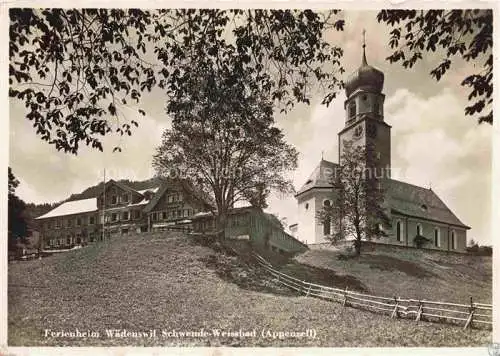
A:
(480, 250)
(420, 241)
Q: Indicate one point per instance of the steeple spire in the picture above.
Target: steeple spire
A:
(364, 62)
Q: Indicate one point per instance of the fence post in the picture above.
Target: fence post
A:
(308, 290)
(395, 313)
(345, 297)
(419, 313)
(471, 315)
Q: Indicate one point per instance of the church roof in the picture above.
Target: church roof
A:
(412, 200)
(403, 198)
(321, 177)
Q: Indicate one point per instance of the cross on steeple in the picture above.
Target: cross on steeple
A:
(364, 62)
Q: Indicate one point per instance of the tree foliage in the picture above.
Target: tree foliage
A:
(223, 139)
(76, 70)
(17, 224)
(466, 34)
(357, 211)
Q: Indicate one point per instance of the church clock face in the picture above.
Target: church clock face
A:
(371, 130)
(358, 131)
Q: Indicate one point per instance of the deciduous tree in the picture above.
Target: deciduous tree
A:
(357, 210)
(76, 69)
(223, 138)
(460, 33)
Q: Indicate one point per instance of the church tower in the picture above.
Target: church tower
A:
(364, 120)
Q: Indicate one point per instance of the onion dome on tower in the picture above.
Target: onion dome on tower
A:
(365, 77)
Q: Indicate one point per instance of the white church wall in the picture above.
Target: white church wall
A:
(306, 219)
(320, 198)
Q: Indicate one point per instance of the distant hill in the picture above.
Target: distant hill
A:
(35, 210)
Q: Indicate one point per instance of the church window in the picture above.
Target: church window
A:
(376, 107)
(437, 237)
(399, 231)
(364, 97)
(326, 226)
(327, 203)
(419, 230)
(352, 110)
(453, 240)
(307, 206)
(423, 207)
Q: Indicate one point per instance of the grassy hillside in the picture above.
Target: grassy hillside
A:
(392, 271)
(168, 282)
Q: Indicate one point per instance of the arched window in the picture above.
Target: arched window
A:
(352, 110)
(437, 237)
(376, 106)
(419, 229)
(326, 226)
(453, 240)
(399, 231)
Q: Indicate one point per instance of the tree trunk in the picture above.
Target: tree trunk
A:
(357, 246)
(220, 225)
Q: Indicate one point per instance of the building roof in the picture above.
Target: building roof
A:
(72, 207)
(153, 190)
(321, 177)
(156, 198)
(412, 200)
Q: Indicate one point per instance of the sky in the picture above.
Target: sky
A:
(433, 143)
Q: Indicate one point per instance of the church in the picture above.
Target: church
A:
(412, 210)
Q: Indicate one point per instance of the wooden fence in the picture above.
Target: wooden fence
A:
(396, 307)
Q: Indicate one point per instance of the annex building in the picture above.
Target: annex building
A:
(412, 210)
(170, 205)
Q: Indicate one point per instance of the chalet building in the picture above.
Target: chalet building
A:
(73, 222)
(412, 210)
(123, 208)
(254, 225)
(117, 210)
(173, 205)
